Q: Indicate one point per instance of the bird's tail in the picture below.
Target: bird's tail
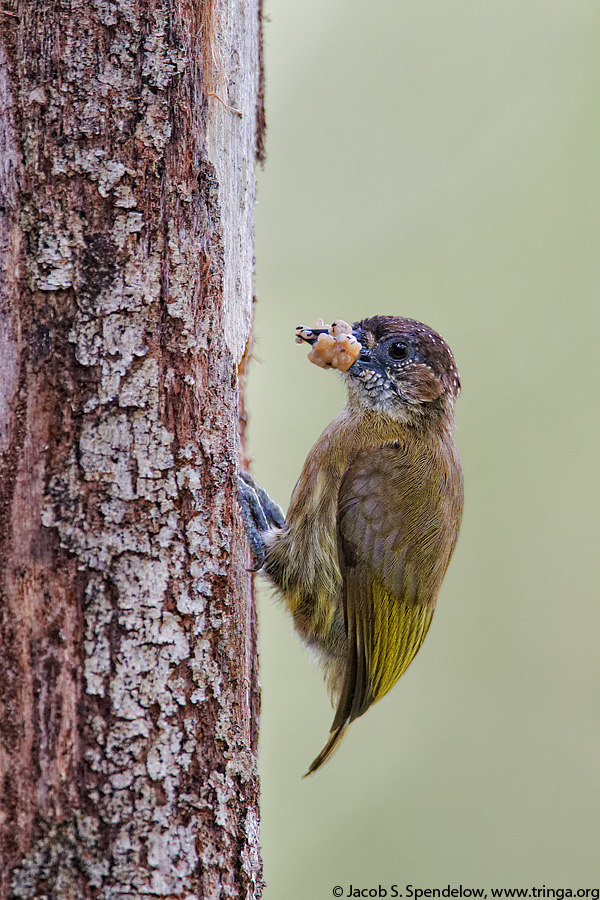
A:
(335, 738)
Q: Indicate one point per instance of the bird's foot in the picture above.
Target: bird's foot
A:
(259, 514)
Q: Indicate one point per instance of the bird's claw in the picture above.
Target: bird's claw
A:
(259, 515)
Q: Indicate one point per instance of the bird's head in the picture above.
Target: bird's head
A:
(405, 370)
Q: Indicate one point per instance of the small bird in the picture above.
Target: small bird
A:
(374, 517)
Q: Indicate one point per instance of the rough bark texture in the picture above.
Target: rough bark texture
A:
(128, 685)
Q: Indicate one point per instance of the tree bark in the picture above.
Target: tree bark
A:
(128, 660)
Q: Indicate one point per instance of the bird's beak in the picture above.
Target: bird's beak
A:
(363, 361)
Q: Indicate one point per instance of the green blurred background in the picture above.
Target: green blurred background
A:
(442, 161)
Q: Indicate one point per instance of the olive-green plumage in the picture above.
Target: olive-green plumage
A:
(374, 517)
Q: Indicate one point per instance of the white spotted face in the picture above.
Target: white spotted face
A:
(405, 369)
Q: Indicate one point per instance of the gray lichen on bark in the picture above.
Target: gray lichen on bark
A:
(135, 198)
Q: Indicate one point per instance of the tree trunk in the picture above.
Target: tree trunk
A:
(128, 668)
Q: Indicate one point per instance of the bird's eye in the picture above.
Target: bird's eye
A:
(398, 350)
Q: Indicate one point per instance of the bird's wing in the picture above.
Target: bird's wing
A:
(396, 532)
